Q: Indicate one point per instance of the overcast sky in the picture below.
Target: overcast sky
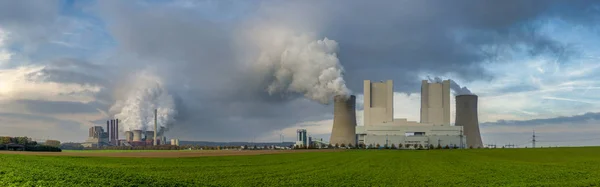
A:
(251, 70)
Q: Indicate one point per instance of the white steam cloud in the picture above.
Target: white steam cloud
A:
(145, 93)
(458, 90)
(301, 64)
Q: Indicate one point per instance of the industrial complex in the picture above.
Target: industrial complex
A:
(380, 127)
(99, 138)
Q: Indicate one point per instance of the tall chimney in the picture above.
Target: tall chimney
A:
(117, 129)
(466, 116)
(108, 129)
(155, 125)
(112, 131)
(344, 120)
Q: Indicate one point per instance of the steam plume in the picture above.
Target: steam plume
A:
(144, 94)
(300, 64)
(458, 90)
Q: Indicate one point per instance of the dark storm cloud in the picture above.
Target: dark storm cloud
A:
(66, 123)
(379, 40)
(28, 13)
(397, 39)
(574, 120)
(55, 107)
(29, 22)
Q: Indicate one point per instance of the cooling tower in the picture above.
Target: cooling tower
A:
(466, 116)
(137, 135)
(149, 135)
(128, 136)
(344, 121)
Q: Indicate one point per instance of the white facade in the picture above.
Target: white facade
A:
(381, 128)
(413, 135)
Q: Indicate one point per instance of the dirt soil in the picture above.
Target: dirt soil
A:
(167, 154)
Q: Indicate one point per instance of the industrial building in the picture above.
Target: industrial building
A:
(302, 138)
(98, 138)
(380, 127)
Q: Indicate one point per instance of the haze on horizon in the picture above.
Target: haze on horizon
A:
(225, 70)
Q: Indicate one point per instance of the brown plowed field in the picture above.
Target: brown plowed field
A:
(166, 154)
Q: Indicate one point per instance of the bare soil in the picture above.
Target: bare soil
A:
(167, 154)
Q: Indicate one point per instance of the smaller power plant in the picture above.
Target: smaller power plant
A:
(97, 137)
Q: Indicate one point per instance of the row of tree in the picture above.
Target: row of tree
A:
(26, 144)
(16, 140)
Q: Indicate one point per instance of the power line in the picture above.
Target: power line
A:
(533, 141)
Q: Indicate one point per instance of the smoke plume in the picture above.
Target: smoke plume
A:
(458, 90)
(302, 65)
(144, 93)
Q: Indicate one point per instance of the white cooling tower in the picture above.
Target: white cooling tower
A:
(128, 136)
(137, 135)
(466, 116)
(344, 121)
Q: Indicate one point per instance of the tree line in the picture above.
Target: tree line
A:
(25, 143)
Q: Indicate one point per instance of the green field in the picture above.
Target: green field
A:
(120, 151)
(484, 167)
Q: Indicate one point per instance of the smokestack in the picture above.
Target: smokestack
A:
(117, 129)
(344, 120)
(112, 130)
(137, 135)
(155, 125)
(466, 116)
(108, 128)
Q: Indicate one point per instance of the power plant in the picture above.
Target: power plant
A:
(466, 116)
(344, 120)
(97, 137)
(382, 129)
(379, 129)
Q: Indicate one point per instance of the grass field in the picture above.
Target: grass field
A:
(118, 151)
(485, 167)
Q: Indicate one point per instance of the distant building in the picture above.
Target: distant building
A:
(96, 137)
(301, 138)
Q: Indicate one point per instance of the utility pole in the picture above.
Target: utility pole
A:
(386, 140)
(461, 139)
(533, 142)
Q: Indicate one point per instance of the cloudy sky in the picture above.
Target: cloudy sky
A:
(223, 70)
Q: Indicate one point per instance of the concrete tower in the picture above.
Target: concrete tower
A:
(128, 136)
(137, 135)
(344, 121)
(379, 102)
(466, 116)
(435, 102)
(155, 126)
